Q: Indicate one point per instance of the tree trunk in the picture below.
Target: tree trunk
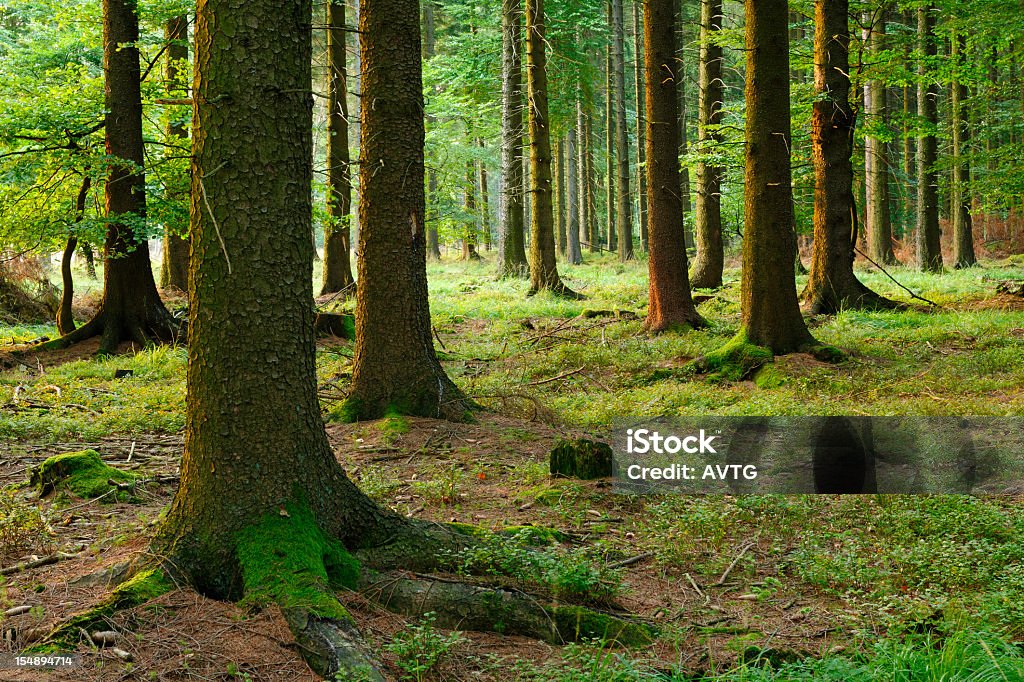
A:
(131, 308)
(174, 265)
(511, 247)
(709, 263)
(485, 209)
(625, 217)
(832, 285)
(469, 237)
(543, 267)
(876, 159)
(560, 217)
(337, 274)
(641, 124)
(929, 250)
(433, 242)
(671, 304)
(611, 240)
(770, 313)
(963, 231)
(402, 374)
(65, 318)
(574, 254)
(909, 95)
(684, 173)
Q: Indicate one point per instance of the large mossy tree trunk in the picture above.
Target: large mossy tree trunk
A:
(337, 273)
(770, 312)
(403, 372)
(877, 219)
(832, 284)
(671, 304)
(624, 219)
(929, 249)
(543, 266)
(511, 247)
(710, 259)
(961, 219)
(174, 265)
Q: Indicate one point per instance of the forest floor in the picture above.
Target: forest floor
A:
(740, 587)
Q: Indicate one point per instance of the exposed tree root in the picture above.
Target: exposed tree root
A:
(159, 327)
(560, 290)
(830, 299)
(739, 359)
(332, 647)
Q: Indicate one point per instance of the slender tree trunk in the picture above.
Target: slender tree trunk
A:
(574, 254)
(709, 263)
(684, 173)
(671, 304)
(625, 217)
(641, 124)
(433, 241)
(543, 266)
(581, 177)
(65, 316)
(131, 308)
(963, 229)
(560, 218)
(469, 236)
(337, 273)
(90, 259)
(876, 160)
(770, 312)
(832, 285)
(511, 247)
(929, 250)
(174, 265)
(588, 182)
(402, 374)
(485, 209)
(611, 240)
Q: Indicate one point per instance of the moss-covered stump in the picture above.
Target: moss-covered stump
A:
(84, 474)
(584, 459)
(735, 361)
(342, 325)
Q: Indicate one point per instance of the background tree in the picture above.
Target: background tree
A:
(929, 249)
(511, 247)
(174, 266)
(960, 183)
(670, 303)
(337, 273)
(624, 218)
(641, 141)
(877, 216)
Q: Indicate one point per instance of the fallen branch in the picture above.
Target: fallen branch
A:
(563, 375)
(725, 575)
(36, 563)
(898, 283)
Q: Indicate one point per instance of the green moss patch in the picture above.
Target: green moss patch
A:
(83, 473)
(584, 459)
(576, 623)
(287, 559)
(768, 377)
(735, 361)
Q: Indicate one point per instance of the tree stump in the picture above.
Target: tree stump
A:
(583, 459)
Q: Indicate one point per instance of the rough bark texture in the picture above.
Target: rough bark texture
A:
(174, 266)
(770, 312)
(511, 247)
(402, 374)
(671, 304)
(832, 285)
(878, 221)
(710, 258)
(963, 229)
(433, 241)
(624, 219)
(929, 250)
(337, 273)
(131, 308)
(641, 123)
(543, 266)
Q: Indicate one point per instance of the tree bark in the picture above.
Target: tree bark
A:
(174, 265)
(624, 218)
(543, 266)
(929, 250)
(963, 230)
(611, 239)
(671, 304)
(641, 123)
(710, 259)
(511, 246)
(337, 272)
(65, 318)
(433, 241)
(684, 172)
(402, 374)
(469, 236)
(770, 313)
(560, 207)
(485, 209)
(878, 220)
(832, 285)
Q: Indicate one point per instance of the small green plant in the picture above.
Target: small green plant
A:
(444, 489)
(375, 482)
(421, 647)
(23, 528)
